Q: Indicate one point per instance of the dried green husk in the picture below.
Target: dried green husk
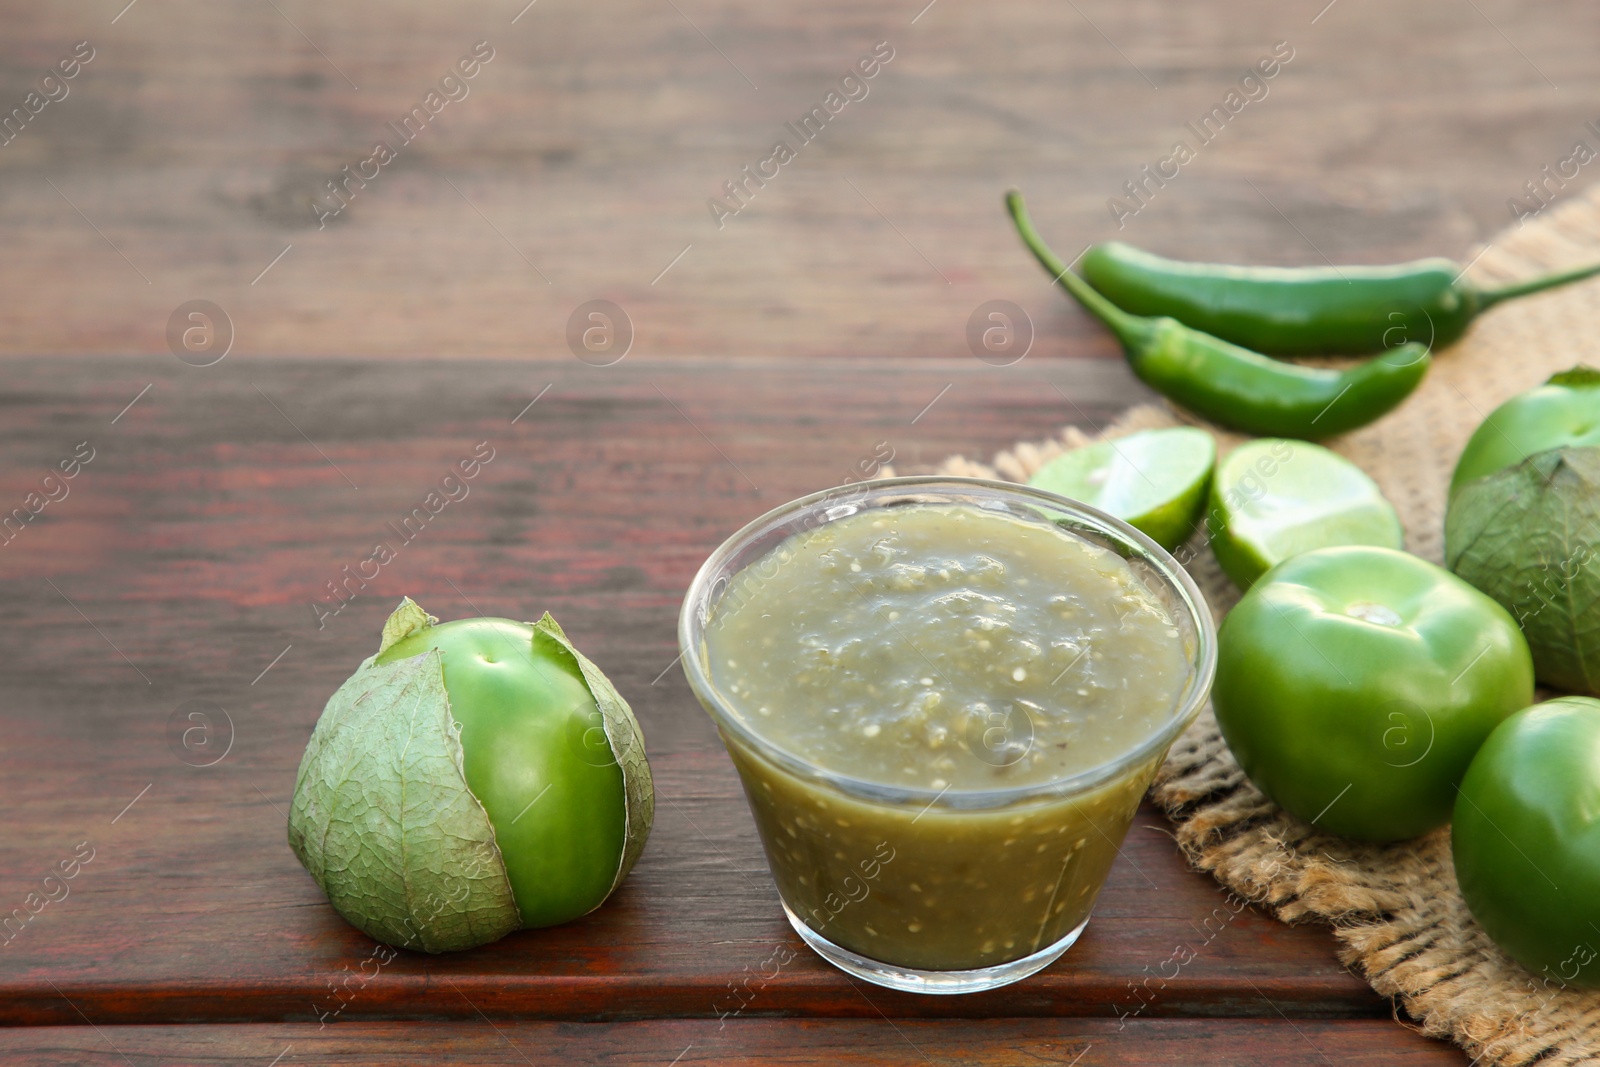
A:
(384, 822)
(1528, 536)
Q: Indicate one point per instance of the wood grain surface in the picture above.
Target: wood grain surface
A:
(1078, 1042)
(181, 568)
(189, 152)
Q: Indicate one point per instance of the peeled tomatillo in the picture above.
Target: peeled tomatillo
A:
(470, 779)
(1526, 840)
(1355, 683)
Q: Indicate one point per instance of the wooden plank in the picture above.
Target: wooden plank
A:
(193, 908)
(181, 566)
(1079, 1042)
(200, 135)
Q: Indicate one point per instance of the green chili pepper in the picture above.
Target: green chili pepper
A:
(1234, 386)
(1295, 311)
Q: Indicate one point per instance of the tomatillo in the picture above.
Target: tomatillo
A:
(1564, 412)
(1526, 839)
(1355, 683)
(1528, 536)
(471, 779)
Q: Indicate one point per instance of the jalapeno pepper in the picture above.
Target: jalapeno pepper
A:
(1233, 386)
(1293, 311)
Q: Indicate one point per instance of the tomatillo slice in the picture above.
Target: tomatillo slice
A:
(1273, 498)
(1526, 839)
(1564, 412)
(1154, 480)
(470, 779)
(1354, 684)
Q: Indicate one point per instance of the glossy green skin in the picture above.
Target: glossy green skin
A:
(1234, 386)
(536, 757)
(1247, 391)
(1363, 727)
(1291, 310)
(1564, 412)
(1526, 840)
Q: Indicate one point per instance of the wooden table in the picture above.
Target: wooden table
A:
(182, 566)
(769, 357)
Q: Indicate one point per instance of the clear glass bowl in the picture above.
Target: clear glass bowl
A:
(1000, 912)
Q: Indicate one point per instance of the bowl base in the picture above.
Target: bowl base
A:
(911, 980)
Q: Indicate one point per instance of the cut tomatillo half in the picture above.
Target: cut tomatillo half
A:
(471, 779)
(1564, 412)
(1154, 480)
(1355, 684)
(1274, 498)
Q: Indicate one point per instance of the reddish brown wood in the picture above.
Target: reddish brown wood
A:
(1080, 1042)
(198, 137)
(205, 524)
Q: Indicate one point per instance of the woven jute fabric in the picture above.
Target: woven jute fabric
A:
(1395, 909)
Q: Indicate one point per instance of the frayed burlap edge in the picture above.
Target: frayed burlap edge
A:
(1396, 910)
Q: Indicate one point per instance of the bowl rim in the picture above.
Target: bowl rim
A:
(693, 616)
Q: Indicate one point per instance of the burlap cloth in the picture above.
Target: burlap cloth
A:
(1395, 909)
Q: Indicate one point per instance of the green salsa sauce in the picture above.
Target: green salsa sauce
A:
(942, 650)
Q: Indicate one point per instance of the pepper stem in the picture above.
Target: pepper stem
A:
(1488, 298)
(1131, 330)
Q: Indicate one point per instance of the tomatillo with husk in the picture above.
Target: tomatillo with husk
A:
(473, 778)
(1564, 412)
(1354, 685)
(1528, 537)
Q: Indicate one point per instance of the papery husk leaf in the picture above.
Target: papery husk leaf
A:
(1529, 536)
(1581, 376)
(405, 620)
(383, 820)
